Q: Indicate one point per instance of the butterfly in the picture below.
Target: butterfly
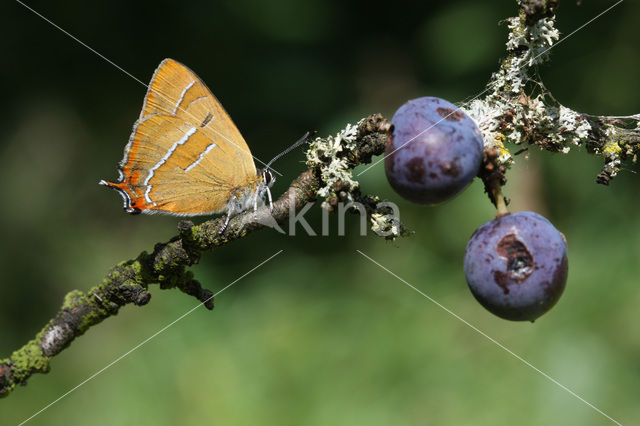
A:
(185, 157)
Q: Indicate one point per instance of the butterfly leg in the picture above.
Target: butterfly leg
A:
(270, 199)
(224, 225)
(230, 210)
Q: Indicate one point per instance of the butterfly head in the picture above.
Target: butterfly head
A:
(267, 176)
(266, 181)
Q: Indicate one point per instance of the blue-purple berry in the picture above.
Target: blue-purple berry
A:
(433, 152)
(516, 266)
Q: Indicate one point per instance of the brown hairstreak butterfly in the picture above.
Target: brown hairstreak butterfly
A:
(185, 156)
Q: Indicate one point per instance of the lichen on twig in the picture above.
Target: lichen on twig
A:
(519, 110)
(333, 159)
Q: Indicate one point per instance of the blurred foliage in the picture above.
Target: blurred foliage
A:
(319, 335)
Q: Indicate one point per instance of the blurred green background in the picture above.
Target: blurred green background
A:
(319, 335)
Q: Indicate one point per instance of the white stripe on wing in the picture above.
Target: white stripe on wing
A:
(152, 170)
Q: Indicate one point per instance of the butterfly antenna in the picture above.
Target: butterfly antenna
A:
(299, 142)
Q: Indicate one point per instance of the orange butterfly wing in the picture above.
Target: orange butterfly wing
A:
(185, 155)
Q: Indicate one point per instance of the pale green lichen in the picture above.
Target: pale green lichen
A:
(528, 46)
(574, 126)
(325, 154)
(506, 115)
(487, 117)
(515, 122)
(385, 225)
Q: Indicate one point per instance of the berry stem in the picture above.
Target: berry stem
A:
(501, 204)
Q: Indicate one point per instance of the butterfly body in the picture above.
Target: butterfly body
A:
(185, 157)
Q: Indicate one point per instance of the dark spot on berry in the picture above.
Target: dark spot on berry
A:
(416, 169)
(433, 175)
(561, 272)
(450, 114)
(501, 279)
(451, 169)
(520, 262)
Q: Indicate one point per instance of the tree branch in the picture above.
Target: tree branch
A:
(128, 282)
